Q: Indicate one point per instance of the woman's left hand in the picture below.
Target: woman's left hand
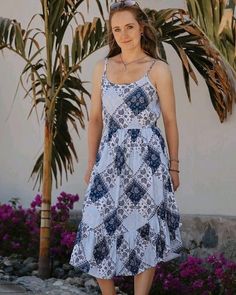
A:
(175, 179)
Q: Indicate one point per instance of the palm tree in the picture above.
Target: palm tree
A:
(54, 69)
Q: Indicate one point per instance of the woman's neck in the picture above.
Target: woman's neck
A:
(129, 56)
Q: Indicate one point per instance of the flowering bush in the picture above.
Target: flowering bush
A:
(19, 228)
(19, 231)
(214, 275)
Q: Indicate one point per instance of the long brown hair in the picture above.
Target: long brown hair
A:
(148, 39)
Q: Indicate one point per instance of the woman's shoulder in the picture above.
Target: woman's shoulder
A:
(100, 63)
(161, 68)
(160, 64)
(161, 74)
(99, 67)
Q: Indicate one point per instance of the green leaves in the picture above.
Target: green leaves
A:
(218, 24)
(87, 38)
(194, 48)
(219, 28)
(11, 35)
(67, 101)
(51, 76)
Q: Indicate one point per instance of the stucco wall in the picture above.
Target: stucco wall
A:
(207, 147)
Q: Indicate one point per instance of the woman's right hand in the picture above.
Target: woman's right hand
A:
(88, 173)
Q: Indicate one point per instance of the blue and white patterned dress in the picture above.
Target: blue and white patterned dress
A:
(130, 219)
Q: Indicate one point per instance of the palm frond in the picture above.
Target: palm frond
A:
(194, 48)
(64, 105)
(67, 101)
(218, 24)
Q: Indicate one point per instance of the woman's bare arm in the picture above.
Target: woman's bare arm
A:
(95, 124)
(164, 84)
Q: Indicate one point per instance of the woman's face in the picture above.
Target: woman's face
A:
(126, 30)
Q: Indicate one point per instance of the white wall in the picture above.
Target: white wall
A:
(207, 147)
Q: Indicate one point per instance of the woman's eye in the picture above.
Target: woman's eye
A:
(118, 30)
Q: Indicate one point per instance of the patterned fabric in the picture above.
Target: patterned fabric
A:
(130, 219)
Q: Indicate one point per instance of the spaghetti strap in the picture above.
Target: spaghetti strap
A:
(105, 66)
(104, 74)
(154, 61)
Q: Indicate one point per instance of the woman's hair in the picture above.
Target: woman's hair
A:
(148, 39)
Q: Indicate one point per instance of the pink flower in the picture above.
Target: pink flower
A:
(211, 259)
(68, 239)
(194, 260)
(36, 202)
(219, 272)
(198, 284)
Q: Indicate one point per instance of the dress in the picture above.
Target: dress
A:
(130, 219)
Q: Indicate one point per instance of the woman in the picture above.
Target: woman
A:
(130, 219)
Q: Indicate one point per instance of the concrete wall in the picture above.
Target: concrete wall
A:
(205, 235)
(207, 147)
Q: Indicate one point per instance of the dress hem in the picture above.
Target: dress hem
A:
(169, 256)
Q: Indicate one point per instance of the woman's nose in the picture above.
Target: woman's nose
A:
(124, 33)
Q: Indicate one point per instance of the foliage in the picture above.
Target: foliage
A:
(214, 275)
(208, 15)
(53, 54)
(193, 47)
(19, 227)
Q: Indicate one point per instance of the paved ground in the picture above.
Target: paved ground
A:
(7, 288)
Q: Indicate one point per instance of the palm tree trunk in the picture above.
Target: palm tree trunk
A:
(44, 258)
(45, 227)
